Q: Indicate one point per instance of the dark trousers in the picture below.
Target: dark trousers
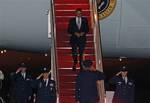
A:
(78, 48)
(22, 99)
(89, 100)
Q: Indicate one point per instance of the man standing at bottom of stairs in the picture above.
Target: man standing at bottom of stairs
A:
(87, 82)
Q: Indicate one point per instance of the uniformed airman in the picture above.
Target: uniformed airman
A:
(46, 90)
(124, 92)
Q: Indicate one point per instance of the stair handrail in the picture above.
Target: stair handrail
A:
(97, 45)
(52, 36)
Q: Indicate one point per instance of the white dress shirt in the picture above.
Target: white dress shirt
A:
(78, 22)
(125, 79)
(23, 75)
(46, 80)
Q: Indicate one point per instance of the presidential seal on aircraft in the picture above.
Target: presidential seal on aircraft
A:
(105, 8)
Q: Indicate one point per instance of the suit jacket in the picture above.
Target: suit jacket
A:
(72, 28)
(124, 92)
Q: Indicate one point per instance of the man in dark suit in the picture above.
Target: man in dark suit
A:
(87, 84)
(46, 90)
(124, 92)
(22, 85)
(78, 28)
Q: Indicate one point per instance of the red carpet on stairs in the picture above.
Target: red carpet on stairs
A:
(64, 10)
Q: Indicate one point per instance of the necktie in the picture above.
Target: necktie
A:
(45, 82)
(79, 23)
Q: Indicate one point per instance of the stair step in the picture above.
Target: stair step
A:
(66, 35)
(71, 4)
(70, 54)
(70, 13)
(66, 19)
(70, 68)
(71, 1)
(67, 99)
(68, 51)
(69, 58)
(67, 79)
(69, 48)
(72, 97)
(64, 65)
(63, 44)
(71, 7)
(67, 93)
(67, 71)
(61, 40)
(77, 68)
(67, 66)
(64, 26)
(64, 32)
(68, 41)
(67, 38)
(67, 85)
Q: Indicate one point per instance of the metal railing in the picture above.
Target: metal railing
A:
(52, 37)
(1, 85)
(97, 45)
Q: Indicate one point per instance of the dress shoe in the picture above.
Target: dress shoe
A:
(74, 68)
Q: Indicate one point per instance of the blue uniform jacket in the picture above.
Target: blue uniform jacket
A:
(124, 92)
(22, 87)
(45, 94)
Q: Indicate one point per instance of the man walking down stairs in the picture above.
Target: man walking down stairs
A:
(78, 28)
